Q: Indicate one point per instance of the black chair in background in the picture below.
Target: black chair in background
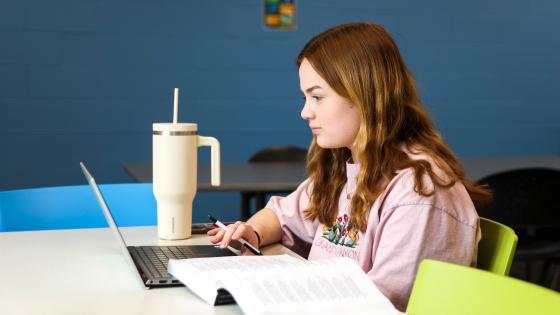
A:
(527, 201)
(278, 154)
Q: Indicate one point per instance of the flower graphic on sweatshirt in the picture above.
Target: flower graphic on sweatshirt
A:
(342, 233)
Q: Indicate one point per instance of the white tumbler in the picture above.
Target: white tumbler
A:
(175, 147)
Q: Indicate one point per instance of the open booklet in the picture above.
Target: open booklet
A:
(284, 284)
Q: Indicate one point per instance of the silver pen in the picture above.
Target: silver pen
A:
(222, 226)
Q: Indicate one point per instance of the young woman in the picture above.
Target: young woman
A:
(383, 188)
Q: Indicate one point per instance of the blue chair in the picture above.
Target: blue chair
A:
(72, 207)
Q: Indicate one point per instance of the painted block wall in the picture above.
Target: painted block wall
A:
(83, 80)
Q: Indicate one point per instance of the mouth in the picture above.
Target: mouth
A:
(315, 130)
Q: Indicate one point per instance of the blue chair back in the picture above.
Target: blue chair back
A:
(72, 207)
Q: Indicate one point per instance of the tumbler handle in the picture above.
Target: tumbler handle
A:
(215, 156)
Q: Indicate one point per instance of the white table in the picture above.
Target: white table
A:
(83, 272)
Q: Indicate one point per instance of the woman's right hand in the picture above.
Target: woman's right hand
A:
(234, 232)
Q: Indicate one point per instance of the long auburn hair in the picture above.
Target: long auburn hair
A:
(362, 63)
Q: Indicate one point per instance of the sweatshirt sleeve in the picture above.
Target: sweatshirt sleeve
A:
(415, 227)
(297, 232)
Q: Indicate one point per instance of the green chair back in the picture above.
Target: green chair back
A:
(496, 247)
(442, 288)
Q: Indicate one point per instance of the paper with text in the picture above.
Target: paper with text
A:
(284, 284)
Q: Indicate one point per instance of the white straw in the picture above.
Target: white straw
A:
(176, 105)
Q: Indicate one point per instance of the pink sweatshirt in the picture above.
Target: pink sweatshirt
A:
(403, 228)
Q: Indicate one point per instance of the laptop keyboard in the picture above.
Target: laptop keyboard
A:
(159, 257)
(156, 258)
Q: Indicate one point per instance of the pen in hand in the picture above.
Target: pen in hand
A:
(247, 245)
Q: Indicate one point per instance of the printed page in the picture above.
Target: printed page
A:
(283, 284)
(200, 281)
(203, 275)
(292, 286)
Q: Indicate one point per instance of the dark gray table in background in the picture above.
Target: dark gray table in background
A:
(262, 178)
(251, 179)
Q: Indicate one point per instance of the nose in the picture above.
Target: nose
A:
(307, 112)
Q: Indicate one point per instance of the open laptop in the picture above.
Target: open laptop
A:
(150, 262)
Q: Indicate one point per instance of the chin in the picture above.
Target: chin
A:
(328, 144)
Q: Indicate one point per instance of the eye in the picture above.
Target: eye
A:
(317, 98)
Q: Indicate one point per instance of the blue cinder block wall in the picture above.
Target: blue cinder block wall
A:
(85, 79)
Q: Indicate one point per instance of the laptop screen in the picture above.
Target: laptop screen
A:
(112, 225)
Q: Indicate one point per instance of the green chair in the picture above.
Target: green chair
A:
(496, 248)
(442, 288)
